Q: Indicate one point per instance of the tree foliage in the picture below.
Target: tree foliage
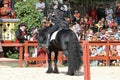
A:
(26, 12)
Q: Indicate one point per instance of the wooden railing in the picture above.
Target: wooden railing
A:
(107, 44)
(41, 58)
(9, 43)
(28, 58)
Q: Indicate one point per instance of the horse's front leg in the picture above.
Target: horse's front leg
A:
(55, 61)
(50, 69)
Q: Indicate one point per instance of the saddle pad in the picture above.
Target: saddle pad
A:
(53, 36)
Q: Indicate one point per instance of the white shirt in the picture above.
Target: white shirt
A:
(42, 5)
(76, 28)
(109, 13)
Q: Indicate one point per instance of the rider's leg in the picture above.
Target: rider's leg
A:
(52, 29)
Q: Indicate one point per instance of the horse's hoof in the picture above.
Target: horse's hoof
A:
(70, 73)
(49, 71)
(56, 71)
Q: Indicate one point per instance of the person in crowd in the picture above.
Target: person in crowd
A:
(100, 12)
(76, 28)
(93, 51)
(105, 25)
(117, 13)
(101, 51)
(93, 13)
(44, 23)
(113, 52)
(117, 35)
(40, 7)
(113, 24)
(6, 11)
(109, 13)
(76, 16)
(94, 28)
(90, 22)
(99, 25)
(66, 6)
(1, 50)
(89, 34)
(21, 33)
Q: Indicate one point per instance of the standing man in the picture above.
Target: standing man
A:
(21, 33)
(117, 13)
(109, 13)
(40, 7)
(100, 12)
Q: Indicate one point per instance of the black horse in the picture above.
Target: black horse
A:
(65, 41)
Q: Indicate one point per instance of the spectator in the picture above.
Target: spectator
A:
(89, 34)
(99, 25)
(93, 13)
(76, 28)
(93, 51)
(90, 22)
(21, 33)
(6, 11)
(1, 50)
(33, 33)
(101, 51)
(40, 7)
(66, 6)
(113, 24)
(94, 28)
(105, 25)
(34, 51)
(109, 13)
(117, 13)
(44, 23)
(76, 16)
(113, 52)
(117, 35)
(100, 12)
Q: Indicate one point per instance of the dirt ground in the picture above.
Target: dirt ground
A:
(38, 73)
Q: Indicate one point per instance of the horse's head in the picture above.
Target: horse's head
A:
(40, 36)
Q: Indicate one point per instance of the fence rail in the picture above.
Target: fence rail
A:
(27, 44)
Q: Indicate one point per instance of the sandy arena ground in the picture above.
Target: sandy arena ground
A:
(38, 73)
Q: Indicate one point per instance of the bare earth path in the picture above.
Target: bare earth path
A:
(38, 73)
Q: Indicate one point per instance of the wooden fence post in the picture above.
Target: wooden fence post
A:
(26, 49)
(20, 56)
(86, 60)
(107, 54)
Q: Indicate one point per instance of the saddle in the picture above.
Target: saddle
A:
(53, 35)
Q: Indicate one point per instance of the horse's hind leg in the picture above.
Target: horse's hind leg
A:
(55, 61)
(70, 65)
(50, 69)
(65, 54)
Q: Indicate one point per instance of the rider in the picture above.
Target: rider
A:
(58, 20)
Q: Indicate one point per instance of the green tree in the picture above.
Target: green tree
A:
(26, 12)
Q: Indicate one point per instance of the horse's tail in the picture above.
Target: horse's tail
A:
(75, 53)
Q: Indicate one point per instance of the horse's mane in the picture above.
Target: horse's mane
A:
(45, 29)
